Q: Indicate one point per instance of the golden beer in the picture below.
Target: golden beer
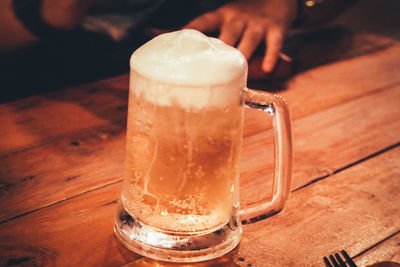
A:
(182, 165)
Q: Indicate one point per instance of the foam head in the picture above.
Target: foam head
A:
(190, 59)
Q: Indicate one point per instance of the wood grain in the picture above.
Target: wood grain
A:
(329, 85)
(349, 210)
(56, 171)
(387, 251)
(325, 142)
(77, 232)
(38, 120)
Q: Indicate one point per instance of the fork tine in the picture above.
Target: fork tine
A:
(334, 261)
(340, 261)
(327, 263)
(348, 259)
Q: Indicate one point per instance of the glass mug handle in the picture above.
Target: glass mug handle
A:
(276, 106)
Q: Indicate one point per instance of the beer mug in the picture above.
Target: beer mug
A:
(180, 196)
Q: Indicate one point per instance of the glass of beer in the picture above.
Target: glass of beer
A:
(180, 196)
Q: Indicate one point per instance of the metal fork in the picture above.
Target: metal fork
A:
(337, 261)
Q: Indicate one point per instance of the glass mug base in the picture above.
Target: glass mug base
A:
(175, 247)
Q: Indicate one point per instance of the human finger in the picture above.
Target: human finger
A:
(274, 39)
(231, 31)
(207, 22)
(251, 38)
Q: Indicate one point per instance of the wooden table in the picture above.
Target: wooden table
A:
(62, 156)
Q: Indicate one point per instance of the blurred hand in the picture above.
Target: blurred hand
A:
(247, 23)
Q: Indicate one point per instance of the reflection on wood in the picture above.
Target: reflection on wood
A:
(226, 261)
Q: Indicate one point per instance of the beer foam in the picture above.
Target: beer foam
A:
(189, 69)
